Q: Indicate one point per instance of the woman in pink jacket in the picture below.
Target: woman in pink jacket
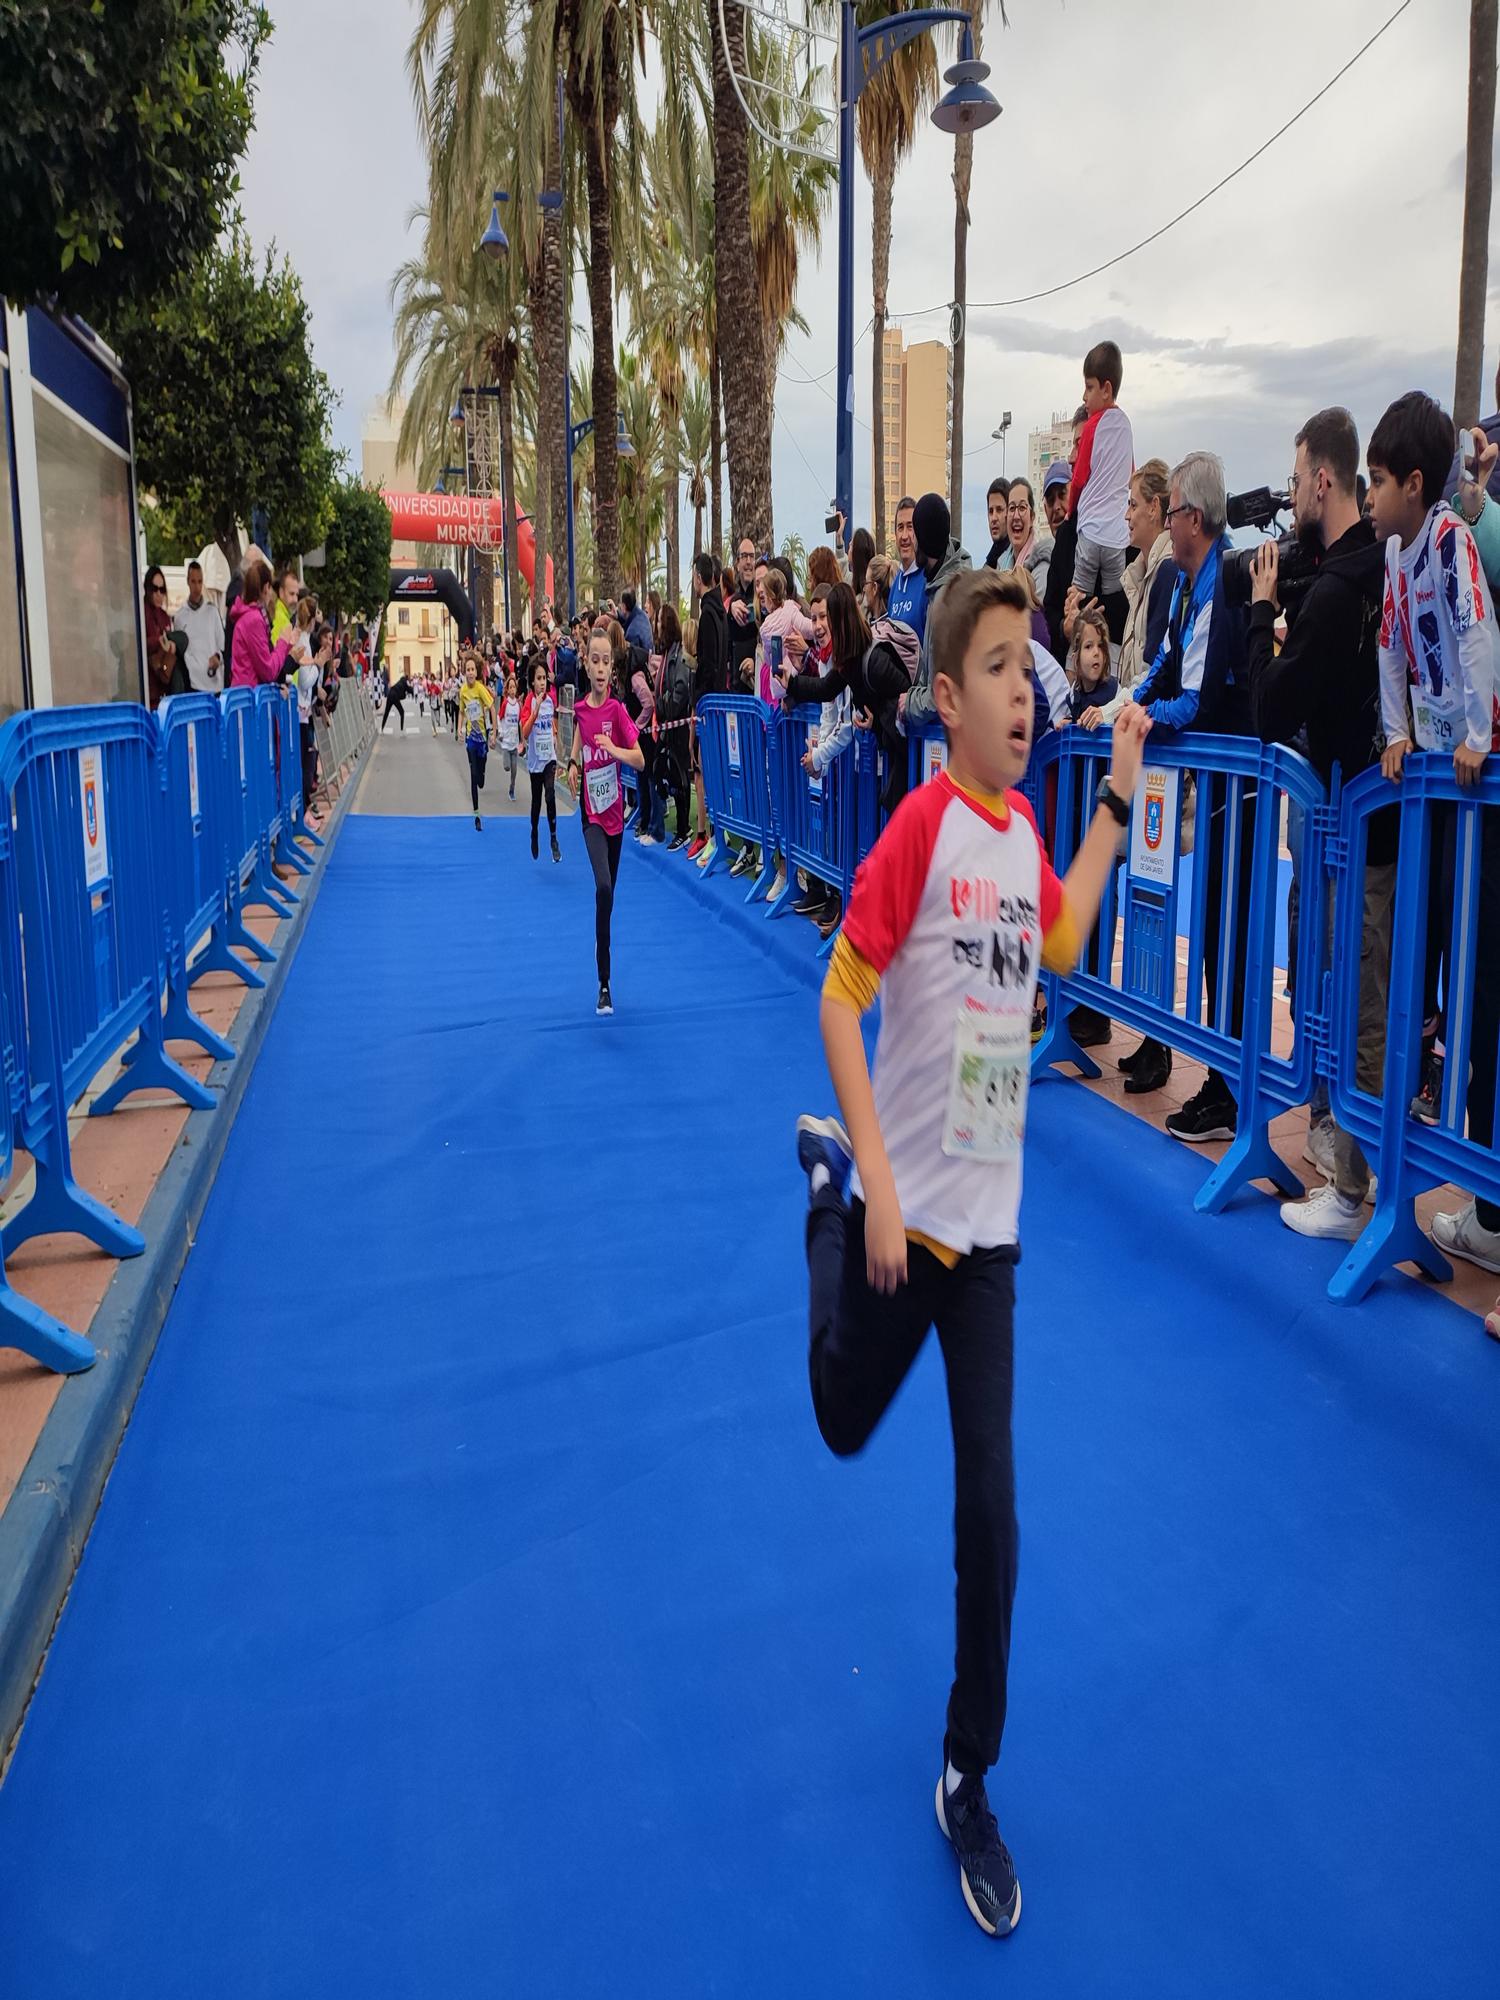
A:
(253, 660)
(784, 616)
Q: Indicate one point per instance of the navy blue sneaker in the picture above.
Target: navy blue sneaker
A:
(985, 1869)
(823, 1142)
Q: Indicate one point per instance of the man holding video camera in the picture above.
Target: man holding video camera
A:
(1326, 680)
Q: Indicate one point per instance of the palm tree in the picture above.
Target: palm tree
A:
(963, 171)
(641, 496)
(788, 196)
(889, 113)
(746, 374)
(457, 329)
(697, 442)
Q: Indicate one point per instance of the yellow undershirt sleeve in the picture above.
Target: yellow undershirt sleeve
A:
(1062, 944)
(850, 978)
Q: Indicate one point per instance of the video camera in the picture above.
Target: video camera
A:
(1298, 562)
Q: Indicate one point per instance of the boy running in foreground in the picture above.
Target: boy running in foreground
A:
(953, 910)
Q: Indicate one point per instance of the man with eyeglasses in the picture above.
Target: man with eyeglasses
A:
(741, 611)
(200, 624)
(1199, 680)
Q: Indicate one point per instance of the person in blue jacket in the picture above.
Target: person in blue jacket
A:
(1199, 680)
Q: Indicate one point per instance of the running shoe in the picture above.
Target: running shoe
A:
(985, 1869)
(535, 850)
(478, 824)
(1208, 1115)
(678, 840)
(646, 839)
(823, 1142)
(829, 918)
(1089, 1028)
(1426, 1106)
(1318, 1151)
(744, 861)
(810, 904)
(1462, 1234)
(604, 1004)
(696, 846)
(556, 850)
(1327, 1214)
(705, 859)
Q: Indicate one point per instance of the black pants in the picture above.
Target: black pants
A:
(544, 781)
(1484, 1015)
(478, 754)
(862, 1345)
(309, 764)
(676, 754)
(400, 708)
(604, 859)
(1211, 829)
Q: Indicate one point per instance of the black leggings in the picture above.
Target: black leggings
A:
(478, 753)
(400, 708)
(863, 1344)
(604, 859)
(544, 781)
(309, 765)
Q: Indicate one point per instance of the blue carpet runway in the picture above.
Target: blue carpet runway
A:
(474, 1609)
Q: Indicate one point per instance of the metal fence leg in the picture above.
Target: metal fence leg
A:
(38, 1335)
(181, 1024)
(217, 957)
(1392, 1236)
(59, 1206)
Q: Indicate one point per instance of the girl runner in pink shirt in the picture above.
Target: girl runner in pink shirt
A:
(605, 738)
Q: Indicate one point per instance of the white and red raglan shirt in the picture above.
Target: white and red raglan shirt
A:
(953, 913)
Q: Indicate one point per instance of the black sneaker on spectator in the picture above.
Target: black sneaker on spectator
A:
(829, 918)
(677, 841)
(1150, 1067)
(1425, 1106)
(1210, 1114)
(1088, 1027)
(744, 861)
(809, 905)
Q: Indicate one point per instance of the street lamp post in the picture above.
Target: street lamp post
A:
(965, 107)
(999, 432)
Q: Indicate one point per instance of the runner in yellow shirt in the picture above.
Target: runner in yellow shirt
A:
(476, 707)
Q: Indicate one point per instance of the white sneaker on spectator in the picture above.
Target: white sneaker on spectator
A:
(778, 886)
(1462, 1235)
(1319, 1148)
(708, 854)
(1326, 1214)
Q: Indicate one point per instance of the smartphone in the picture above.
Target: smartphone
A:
(830, 524)
(773, 652)
(1468, 463)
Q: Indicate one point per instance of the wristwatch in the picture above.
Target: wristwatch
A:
(1108, 797)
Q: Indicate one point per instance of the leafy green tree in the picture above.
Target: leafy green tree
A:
(118, 148)
(231, 412)
(356, 576)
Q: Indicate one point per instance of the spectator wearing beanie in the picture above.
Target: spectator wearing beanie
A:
(942, 558)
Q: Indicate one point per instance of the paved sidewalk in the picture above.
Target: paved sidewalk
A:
(416, 775)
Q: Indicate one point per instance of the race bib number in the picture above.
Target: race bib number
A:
(603, 785)
(1434, 731)
(544, 746)
(473, 708)
(988, 1084)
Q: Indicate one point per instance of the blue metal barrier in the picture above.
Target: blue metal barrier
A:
(80, 786)
(251, 787)
(193, 857)
(1231, 904)
(289, 794)
(819, 819)
(22, 1324)
(1409, 1156)
(926, 751)
(733, 750)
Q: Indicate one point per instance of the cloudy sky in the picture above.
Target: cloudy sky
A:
(1326, 273)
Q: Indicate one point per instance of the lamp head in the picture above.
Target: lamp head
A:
(967, 106)
(494, 243)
